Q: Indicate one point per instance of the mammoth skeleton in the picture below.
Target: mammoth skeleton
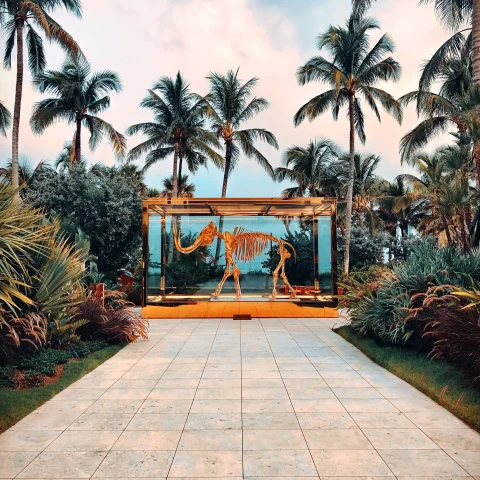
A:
(242, 245)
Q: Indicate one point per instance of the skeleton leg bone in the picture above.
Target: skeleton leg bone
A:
(226, 274)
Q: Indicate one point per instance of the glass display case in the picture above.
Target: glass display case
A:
(239, 249)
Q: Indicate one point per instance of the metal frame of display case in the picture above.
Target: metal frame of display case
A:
(278, 207)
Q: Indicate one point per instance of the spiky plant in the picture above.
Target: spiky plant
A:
(16, 16)
(79, 96)
(352, 71)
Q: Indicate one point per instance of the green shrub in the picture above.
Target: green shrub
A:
(384, 308)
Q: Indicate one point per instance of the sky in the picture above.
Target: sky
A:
(269, 39)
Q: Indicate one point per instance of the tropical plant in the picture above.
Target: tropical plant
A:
(112, 318)
(352, 71)
(67, 156)
(5, 119)
(178, 128)
(388, 312)
(79, 97)
(230, 106)
(15, 17)
(185, 189)
(306, 167)
(100, 201)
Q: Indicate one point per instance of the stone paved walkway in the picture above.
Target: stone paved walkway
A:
(269, 398)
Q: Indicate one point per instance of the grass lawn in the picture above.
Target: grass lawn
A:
(16, 404)
(429, 376)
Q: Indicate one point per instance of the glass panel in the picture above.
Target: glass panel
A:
(154, 261)
(325, 254)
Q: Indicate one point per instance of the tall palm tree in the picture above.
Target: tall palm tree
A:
(5, 119)
(79, 97)
(66, 157)
(352, 71)
(178, 128)
(231, 106)
(15, 17)
(306, 168)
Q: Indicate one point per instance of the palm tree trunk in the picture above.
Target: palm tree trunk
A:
(78, 141)
(351, 175)
(447, 229)
(476, 155)
(18, 103)
(180, 166)
(174, 195)
(476, 42)
(175, 173)
(228, 161)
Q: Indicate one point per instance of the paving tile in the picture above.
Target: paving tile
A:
(165, 406)
(438, 419)
(214, 421)
(123, 464)
(273, 440)
(285, 463)
(124, 383)
(216, 406)
(177, 383)
(313, 421)
(262, 383)
(63, 465)
(368, 405)
(468, 459)
(115, 406)
(75, 394)
(126, 393)
(348, 463)
(354, 393)
(270, 421)
(347, 382)
(264, 393)
(337, 439)
(172, 394)
(211, 440)
(207, 464)
(26, 440)
(148, 440)
(218, 394)
(318, 405)
(399, 438)
(452, 438)
(307, 393)
(12, 463)
(158, 421)
(420, 463)
(81, 441)
(382, 420)
(266, 406)
(101, 421)
(223, 383)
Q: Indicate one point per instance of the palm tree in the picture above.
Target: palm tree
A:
(185, 189)
(306, 167)
(79, 97)
(353, 71)
(15, 16)
(5, 119)
(178, 128)
(429, 187)
(66, 157)
(453, 14)
(231, 106)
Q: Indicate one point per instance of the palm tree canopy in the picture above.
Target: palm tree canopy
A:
(230, 106)
(178, 119)
(352, 71)
(78, 95)
(36, 13)
(306, 167)
(185, 189)
(5, 119)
